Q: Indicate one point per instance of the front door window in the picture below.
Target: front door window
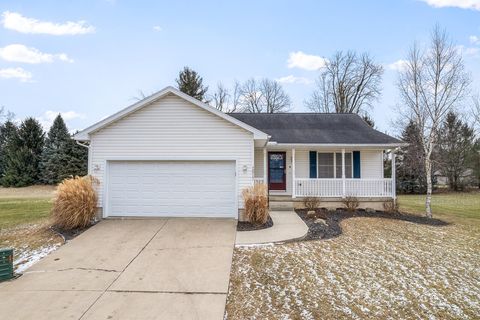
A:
(277, 170)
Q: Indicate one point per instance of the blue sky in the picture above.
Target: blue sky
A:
(88, 59)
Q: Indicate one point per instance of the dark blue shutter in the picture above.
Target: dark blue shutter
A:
(356, 164)
(313, 164)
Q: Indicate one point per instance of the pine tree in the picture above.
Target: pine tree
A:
(23, 155)
(191, 83)
(455, 145)
(54, 156)
(410, 169)
(62, 157)
(8, 132)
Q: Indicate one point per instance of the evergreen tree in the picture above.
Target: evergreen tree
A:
(23, 155)
(54, 156)
(410, 169)
(62, 157)
(191, 83)
(8, 132)
(454, 147)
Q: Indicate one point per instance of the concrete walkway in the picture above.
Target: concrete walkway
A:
(130, 269)
(287, 225)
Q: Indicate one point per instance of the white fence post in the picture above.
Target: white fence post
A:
(343, 173)
(294, 193)
(394, 191)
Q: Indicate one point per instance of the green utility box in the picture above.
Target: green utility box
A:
(6, 264)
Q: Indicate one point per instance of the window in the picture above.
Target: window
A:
(329, 165)
(325, 165)
(348, 165)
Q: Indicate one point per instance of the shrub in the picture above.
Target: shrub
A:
(390, 206)
(351, 203)
(256, 203)
(75, 203)
(311, 203)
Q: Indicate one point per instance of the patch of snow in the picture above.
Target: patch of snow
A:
(28, 258)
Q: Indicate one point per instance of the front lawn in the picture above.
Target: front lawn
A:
(448, 205)
(377, 268)
(24, 224)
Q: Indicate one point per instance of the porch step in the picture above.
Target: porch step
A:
(273, 197)
(281, 205)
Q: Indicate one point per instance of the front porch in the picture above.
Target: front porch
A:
(332, 173)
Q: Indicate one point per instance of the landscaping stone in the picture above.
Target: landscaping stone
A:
(311, 214)
(370, 210)
(320, 221)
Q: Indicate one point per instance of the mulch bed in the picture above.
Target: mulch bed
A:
(70, 234)
(248, 226)
(326, 224)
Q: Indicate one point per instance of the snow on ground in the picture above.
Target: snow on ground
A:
(30, 243)
(27, 258)
(377, 268)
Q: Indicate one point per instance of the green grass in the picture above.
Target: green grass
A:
(17, 211)
(454, 205)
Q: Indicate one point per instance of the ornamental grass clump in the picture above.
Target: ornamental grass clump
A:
(75, 203)
(256, 203)
(350, 203)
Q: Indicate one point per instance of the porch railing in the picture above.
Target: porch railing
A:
(335, 188)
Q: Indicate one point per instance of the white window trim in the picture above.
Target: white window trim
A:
(335, 164)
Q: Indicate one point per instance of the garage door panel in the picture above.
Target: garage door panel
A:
(172, 188)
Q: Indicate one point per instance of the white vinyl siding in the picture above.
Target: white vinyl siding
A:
(172, 128)
(259, 163)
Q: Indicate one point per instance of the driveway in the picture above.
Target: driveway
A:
(130, 269)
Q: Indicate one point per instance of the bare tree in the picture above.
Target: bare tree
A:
(476, 111)
(320, 100)
(349, 83)
(251, 97)
(221, 98)
(5, 115)
(237, 94)
(275, 98)
(431, 84)
(263, 96)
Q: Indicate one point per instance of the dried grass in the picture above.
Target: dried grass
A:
(390, 206)
(75, 203)
(256, 203)
(351, 203)
(311, 203)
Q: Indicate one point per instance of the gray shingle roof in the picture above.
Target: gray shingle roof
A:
(322, 128)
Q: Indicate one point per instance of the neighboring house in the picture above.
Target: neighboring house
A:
(172, 155)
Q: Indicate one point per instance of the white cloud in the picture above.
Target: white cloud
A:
(292, 79)
(468, 51)
(463, 4)
(15, 21)
(47, 118)
(305, 61)
(474, 40)
(21, 53)
(16, 73)
(398, 65)
(157, 28)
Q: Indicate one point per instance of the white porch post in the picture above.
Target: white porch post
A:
(265, 166)
(343, 172)
(293, 175)
(394, 191)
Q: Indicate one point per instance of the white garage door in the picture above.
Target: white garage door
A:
(171, 188)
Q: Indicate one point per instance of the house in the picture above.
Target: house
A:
(172, 155)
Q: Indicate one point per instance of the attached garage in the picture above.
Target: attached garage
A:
(171, 155)
(171, 189)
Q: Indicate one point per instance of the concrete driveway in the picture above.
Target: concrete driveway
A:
(130, 269)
